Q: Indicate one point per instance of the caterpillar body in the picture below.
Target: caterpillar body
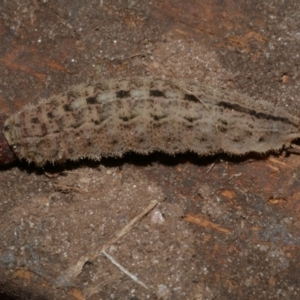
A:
(145, 115)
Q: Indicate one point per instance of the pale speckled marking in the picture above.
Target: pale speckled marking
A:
(145, 115)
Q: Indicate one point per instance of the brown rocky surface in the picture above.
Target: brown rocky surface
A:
(222, 227)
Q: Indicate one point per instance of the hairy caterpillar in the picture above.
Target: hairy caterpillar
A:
(145, 115)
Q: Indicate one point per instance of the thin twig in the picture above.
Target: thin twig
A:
(133, 277)
(235, 175)
(76, 269)
(126, 228)
(209, 169)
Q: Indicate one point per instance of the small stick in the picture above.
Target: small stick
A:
(126, 228)
(67, 276)
(133, 277)
(235, 175)
(209, 169)
(76, 269)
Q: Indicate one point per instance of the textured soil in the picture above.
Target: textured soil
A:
(219, 227)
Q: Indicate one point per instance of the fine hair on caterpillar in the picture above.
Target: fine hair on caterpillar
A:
(144, 115)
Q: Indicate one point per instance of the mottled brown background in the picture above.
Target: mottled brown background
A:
(224, 228)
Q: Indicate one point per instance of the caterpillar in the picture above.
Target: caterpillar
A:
(144, 115)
